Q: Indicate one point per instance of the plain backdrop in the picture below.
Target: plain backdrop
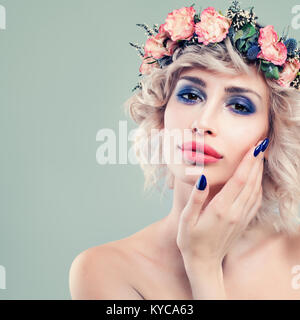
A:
(66, 68)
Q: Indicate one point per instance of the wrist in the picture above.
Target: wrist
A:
(211, 271)
(206, 280)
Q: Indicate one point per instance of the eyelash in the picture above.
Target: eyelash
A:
(192, 93)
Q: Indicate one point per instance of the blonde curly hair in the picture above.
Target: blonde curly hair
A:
(281, 175)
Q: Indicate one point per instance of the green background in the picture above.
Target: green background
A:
(66, 69)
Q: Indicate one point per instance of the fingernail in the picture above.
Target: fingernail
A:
(264, 144)
(257, 150)
(201, 184)
(261, 148)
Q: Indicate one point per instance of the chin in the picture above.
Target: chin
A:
(181, 172)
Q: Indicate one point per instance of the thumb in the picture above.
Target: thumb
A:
(197, 198)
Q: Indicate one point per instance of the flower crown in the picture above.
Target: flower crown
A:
(278, 59)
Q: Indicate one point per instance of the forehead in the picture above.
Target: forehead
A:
(214, 80)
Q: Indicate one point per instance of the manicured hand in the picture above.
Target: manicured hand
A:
(207, 234)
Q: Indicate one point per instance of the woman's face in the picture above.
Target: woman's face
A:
(231, 113)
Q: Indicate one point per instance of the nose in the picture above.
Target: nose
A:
(205, 118)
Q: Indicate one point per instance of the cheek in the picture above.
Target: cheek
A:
(239, 139)
(175, 117)
(170, 119)
(244, 131)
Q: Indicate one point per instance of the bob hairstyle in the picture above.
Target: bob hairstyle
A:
(281, 173)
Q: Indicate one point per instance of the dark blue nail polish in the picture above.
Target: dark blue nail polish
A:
(201, 184)
(257, 150)
(264, 144)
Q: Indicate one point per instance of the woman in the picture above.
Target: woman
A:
(233, 231)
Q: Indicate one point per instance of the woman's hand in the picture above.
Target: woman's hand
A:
(206, 235)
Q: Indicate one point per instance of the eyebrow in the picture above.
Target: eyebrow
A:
(233, 89)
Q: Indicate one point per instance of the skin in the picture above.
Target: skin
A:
(230, 133)
(223, 129)
(205, 236)
(217, 121)
(188, 255)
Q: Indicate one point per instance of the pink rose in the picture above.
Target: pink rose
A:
(271, 49)
(213, 27)
(289, 73)
(163, 32)
(154, 46)
(171, 46)
(180, 23)
(267, 36)
(145, 67)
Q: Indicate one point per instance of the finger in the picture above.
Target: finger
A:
(246, 197)
(195, 203)
(236, 183)
(253, 211)
(256, 193)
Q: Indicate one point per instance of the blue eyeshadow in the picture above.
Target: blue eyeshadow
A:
(246, 103)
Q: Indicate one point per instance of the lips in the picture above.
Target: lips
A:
(206, 149)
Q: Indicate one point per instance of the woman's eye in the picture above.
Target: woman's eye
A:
(189, 97)
(240, 107)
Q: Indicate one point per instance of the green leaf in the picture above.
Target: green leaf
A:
(152, 61)
(243, 45)
(272, 73)
(238, 35)
(240, 44)
(264, 66)
(253, 38)
(247, 47)
(149, 57)
(248, 31)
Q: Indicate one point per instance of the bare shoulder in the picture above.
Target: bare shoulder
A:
(292, 244)
(99, 273)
